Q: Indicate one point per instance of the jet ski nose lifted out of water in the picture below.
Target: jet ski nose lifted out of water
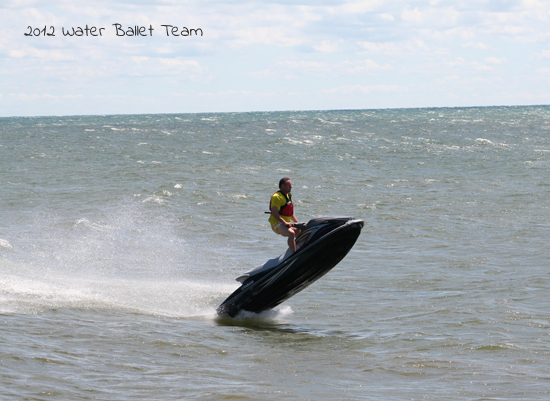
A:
(322, 244)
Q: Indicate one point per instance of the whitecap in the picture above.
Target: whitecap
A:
(5, 244)
(154, 199)
(484, 141)
(329, 122)
(94, 226)
(268, 315)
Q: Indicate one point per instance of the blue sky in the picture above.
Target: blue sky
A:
(273, 55)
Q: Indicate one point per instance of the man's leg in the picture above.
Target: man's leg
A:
(289, 232)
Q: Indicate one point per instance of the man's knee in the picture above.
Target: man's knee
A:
(287, 232)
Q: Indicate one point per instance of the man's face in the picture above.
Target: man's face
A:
(286, 187)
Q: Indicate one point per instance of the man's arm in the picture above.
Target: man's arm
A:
(275, 213)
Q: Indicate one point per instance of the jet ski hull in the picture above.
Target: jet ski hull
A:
(323, 243)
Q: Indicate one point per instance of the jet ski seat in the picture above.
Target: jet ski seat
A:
(271, 263)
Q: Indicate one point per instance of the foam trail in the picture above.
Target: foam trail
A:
(270, 315)
(175, 298)
(124, 260)
(245, 318)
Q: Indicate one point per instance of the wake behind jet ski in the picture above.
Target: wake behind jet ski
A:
(322, 244)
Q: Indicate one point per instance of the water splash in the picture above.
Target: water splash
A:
(130, 260)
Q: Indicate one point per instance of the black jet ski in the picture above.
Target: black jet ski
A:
(321, 245)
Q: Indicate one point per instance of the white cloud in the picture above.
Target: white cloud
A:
(456, 33)
(544, 54)
(450, 78)
(346, 89)
(327, 46)
(476, 45)
(359, 7)
(217, 95)
(43, 54)
(375, 47)
(362, 66)
(386, 17)
(36, 96)
(495, 60)
(394, 48)
(536, 4)
(292, 69)
(159, 66)
(269, 36)
(432, 17)
(535, 97)
(414, 16)
(476, 65)
(459, 61)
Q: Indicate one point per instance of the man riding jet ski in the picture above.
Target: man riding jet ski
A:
(322, 243)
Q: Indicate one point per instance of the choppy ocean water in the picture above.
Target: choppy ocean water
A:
(120, 235)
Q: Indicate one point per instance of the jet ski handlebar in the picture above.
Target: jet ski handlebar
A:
(299, 226)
